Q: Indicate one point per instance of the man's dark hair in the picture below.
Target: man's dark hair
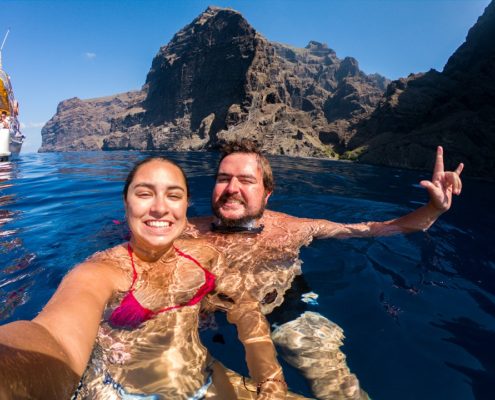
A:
(248, 146)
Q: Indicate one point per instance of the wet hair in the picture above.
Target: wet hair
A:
(132, 172)
(247, 146)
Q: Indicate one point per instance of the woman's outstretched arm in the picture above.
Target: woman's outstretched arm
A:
(45, 357)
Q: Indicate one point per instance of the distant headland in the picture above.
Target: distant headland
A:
(218, 79)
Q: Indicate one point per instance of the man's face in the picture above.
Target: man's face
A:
(239, 195)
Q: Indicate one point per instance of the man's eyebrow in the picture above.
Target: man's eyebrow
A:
(225, 175)
(246, 176)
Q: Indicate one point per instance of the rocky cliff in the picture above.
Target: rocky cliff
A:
(84, 124)
(455, 108)
(219, 79)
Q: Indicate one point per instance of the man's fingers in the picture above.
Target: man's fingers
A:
(439, 168)
(457, 183)
(459, 188)
(456, 180)
(452, 181)
(427, 185)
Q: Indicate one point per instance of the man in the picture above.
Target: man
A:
(262, 246)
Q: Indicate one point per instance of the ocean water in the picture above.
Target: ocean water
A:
(418, 311)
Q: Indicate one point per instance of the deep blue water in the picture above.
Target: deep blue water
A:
(418, 311)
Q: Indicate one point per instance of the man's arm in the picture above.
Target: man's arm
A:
(440, 189)
(254, 333)
(253, 330)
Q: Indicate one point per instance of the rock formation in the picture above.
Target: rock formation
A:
(455, 108)
(83, 124)
(219, 79)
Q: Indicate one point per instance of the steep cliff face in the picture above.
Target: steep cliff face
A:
(296, 99)
(84, 124)
(202, 71)
(218, 79)
(455, 108)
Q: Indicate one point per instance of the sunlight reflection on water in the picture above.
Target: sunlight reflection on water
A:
(418, 311)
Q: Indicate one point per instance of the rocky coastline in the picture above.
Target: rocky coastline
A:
(218, 79)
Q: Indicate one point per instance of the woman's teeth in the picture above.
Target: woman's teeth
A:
(158, 224)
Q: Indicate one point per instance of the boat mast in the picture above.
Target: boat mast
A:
(3, 44)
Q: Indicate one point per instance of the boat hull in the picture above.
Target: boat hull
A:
(11, 138)
(10, 144)
(4, 144)
(15, 145)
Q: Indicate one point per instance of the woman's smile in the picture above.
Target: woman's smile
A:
(156, 206)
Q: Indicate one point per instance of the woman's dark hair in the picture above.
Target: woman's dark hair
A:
(132, 172)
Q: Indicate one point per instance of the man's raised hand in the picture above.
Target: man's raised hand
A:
(443, 184)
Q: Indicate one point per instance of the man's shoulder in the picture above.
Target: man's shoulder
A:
(270, 215)
(274, 221)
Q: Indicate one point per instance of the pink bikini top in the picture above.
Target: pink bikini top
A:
(130, 313)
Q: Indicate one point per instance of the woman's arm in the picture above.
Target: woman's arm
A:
(61, 337)
(32, 364)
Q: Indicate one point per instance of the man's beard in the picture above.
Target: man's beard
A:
(242, 221)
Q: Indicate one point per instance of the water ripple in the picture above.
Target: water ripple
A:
(396, 298)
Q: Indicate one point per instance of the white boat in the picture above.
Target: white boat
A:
(11, 138)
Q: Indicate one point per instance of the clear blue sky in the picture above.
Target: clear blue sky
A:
(86, 49)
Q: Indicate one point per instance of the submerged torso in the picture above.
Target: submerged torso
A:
(162, 357)
(265, 264)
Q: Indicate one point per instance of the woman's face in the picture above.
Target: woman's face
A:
(156, 205)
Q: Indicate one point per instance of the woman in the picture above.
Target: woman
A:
(149, 293)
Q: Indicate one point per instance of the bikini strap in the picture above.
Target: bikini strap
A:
(203, 290)
(182, 254)
(134, 273)
(207, 287)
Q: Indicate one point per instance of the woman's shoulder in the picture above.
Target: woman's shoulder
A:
(114, 260)
(114, 255)
(96, 277)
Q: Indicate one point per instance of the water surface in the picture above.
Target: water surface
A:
(418, 311)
